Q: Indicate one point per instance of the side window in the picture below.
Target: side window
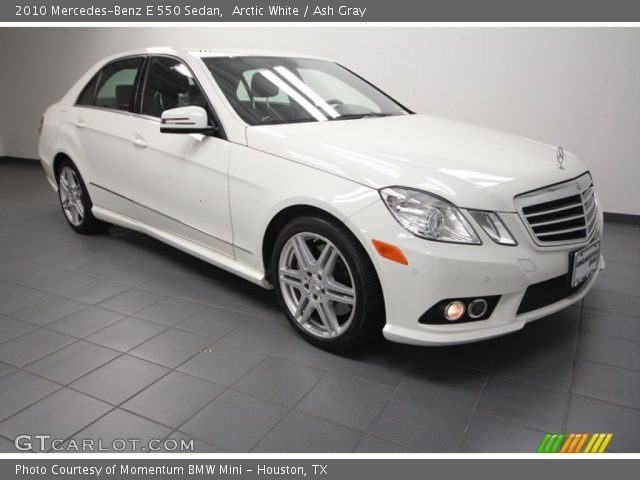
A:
(89, 92)
(169, 84)
(117, 84)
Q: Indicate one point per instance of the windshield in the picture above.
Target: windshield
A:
(272, 90)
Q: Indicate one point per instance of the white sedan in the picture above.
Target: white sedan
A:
(298, 175)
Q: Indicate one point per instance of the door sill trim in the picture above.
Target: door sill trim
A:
(214, 258)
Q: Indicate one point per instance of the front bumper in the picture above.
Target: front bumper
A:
(438, 271)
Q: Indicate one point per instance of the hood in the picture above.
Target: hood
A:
(471, 166)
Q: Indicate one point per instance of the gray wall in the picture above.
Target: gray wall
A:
(578, 87)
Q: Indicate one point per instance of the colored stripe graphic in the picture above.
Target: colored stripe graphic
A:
(543, 443)
(598, 443)
(590, 444)
(551, 443)
(577, 441)
(581, 443)
(596, 446)
(558, 442)
(573, 448)
(567, 445)
(606, 441)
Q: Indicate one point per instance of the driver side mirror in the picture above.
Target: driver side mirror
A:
(186, 120)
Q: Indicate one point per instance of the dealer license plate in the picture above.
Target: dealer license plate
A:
(585, 263)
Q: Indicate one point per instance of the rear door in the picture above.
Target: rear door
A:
(101, 126)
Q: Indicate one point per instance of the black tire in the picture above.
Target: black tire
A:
(369, 316)
(89, 224)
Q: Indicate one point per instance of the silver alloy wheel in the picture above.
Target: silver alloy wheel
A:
(71, 196)
(319, 302)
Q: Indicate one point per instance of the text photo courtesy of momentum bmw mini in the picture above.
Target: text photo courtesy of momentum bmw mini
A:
(365, 217)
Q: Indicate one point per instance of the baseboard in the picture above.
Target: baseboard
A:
(622, 218)
(608, 216)
(9, 159)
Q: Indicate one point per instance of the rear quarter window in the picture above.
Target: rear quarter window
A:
(114, 86)
(88, 94)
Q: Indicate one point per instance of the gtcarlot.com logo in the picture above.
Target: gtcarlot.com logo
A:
(46, 443)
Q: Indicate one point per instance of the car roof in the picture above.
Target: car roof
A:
(205, 52)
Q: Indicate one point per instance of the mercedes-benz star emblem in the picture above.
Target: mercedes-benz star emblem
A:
(560, 157)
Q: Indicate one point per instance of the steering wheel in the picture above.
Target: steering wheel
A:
(335, 101)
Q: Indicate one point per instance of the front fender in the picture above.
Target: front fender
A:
(262, 185)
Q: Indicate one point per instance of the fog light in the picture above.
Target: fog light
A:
(454, 311)
(477, 308)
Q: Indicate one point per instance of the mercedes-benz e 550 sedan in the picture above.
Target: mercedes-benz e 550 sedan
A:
(298, 175)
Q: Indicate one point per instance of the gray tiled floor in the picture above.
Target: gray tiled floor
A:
(118, 336)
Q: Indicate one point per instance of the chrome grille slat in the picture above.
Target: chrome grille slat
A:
(559, 232)
(588, 196)
(554, 210)
(591, 221)
(551, 222)
(589, 210)
(560, 214)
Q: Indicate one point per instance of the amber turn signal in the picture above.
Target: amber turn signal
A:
(389, 251)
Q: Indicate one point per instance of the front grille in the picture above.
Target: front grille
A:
(546, 293)
(560, 214)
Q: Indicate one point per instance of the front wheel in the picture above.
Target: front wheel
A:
(75, 201)
(326, 284)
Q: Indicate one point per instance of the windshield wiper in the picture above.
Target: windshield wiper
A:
(362, 115)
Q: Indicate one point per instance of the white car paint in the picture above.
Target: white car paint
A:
(468, 165)
(215, 198)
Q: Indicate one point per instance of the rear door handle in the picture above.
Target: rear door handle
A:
(80, 123)
(138, 141)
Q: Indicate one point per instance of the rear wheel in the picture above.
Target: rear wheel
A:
(326, 284)
(75, 201)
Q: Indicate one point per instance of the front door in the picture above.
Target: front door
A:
(181, 179)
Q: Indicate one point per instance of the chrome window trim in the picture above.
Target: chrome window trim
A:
(140, 84)
(142, 56)
(122, 112)
(141, 70)
(216, 118)
(105, 109)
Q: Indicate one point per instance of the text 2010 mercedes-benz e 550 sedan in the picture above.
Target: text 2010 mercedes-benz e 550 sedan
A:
(298, 175)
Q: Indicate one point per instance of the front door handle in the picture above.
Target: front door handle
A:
(138, 141)
(80, 123)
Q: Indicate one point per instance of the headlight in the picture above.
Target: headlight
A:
(428, 216)
(493, 226)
